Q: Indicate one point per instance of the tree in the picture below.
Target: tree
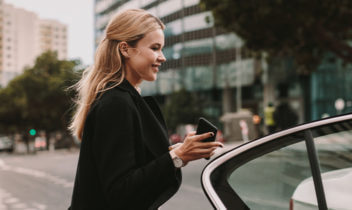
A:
(38, 97)
(303, 30)
(182, 108)
(12, 103)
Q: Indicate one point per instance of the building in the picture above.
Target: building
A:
(200, 57)
(24, 36)
(332, 81)
(53, 36)
(209, 61)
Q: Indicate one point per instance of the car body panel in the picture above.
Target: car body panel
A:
(337, 187)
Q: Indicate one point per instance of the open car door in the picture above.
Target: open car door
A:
(305, 167)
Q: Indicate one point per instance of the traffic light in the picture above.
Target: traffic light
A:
(32, 132)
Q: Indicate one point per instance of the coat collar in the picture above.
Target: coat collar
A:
(153, 124)
(126, 86)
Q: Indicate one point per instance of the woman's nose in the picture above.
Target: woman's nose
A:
(161, 57)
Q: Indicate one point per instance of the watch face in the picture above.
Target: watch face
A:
(178, 162)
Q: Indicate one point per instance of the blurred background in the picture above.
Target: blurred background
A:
(250, 67)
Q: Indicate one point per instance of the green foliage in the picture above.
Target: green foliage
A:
(182, 107)
(302, 29)
(38, 97)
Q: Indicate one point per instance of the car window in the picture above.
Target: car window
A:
(277, 173)
(268, 181)
(334, 148)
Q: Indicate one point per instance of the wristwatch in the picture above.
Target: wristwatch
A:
(178, 162)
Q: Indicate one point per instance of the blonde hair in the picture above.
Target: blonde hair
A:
(129, 26)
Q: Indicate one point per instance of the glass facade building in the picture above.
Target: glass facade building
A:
(331, 81)
(200, 57)
(204, 59)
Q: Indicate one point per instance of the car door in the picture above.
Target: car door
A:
(305, 167)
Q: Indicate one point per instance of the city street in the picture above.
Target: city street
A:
(44, 181)
(37, 182)
(274, 78)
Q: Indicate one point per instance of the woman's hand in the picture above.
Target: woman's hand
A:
(193, 149)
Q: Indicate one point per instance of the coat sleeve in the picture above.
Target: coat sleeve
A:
(123, 182)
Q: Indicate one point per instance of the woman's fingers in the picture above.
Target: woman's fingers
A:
(208, 144)
(201, 136)
(192, 133)
(202, 151)
(190, 136)
(193, 148)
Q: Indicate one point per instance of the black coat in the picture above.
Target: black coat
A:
(124, 161)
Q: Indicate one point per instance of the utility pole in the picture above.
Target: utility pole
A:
(238, 79)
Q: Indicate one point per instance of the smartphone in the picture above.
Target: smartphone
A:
(205, 126)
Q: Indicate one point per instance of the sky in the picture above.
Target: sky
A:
(78, 15)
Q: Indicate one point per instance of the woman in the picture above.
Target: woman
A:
(125, 162)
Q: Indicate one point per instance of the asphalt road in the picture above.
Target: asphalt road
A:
(37, 182)
(44, 181)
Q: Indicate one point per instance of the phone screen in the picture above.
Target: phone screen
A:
(205, 126)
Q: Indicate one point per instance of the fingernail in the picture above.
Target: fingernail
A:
(221, 145)
(211, 134)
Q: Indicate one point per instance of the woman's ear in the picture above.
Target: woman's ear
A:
(123, 47)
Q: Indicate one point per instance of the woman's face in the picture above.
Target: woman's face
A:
(145, 59)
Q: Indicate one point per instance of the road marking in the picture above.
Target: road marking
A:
(37, 174)
(39, 206)
(8, 201)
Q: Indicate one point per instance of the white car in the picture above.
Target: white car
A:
(337, 185)
(6, 144)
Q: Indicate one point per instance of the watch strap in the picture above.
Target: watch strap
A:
(178, 162)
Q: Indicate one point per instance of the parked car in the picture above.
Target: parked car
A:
(278, 171)
(6, 144)
(40, 143)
